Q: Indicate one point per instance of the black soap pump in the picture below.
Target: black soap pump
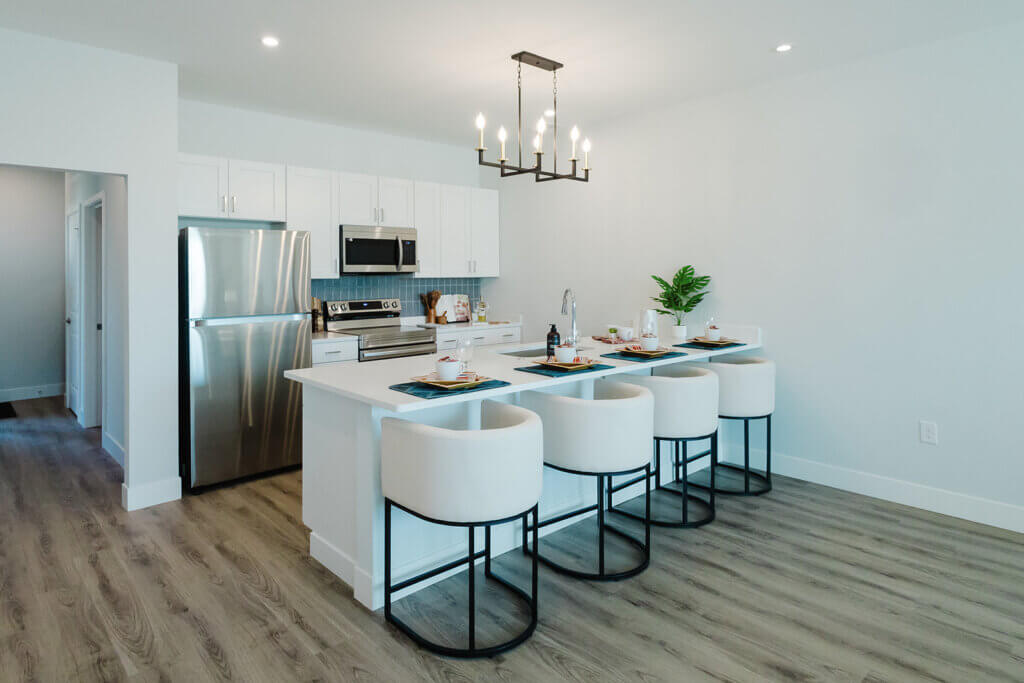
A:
(554, 339)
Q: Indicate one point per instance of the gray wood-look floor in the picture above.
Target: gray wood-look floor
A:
(806, 583)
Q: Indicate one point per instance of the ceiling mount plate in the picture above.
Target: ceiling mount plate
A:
(537, 61)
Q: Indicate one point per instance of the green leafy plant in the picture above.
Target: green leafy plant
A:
(682, 294)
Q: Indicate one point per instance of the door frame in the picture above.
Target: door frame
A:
(69, 323)
(94, 343)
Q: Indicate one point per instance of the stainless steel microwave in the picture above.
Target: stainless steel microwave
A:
(378, 250)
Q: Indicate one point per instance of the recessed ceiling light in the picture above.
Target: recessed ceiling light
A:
(785, 47)
(270, 41)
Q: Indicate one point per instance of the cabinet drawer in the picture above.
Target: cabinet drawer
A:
(508, 335)
(333, 352)
(447, 343)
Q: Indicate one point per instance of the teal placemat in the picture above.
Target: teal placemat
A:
(423, 391)
(702, 347)
(639, 359)
(551, 372)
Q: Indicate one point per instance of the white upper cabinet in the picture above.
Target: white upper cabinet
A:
(202, 186)
(311, 207)
(427, 221)
(396, 202)
(484, 241)
(357, 199)
(257, 191)
(225, 188)
(454, 242)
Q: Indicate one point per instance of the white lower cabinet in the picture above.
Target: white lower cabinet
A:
(480, 336)
(325, 352)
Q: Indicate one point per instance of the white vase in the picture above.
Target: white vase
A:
(679, 332)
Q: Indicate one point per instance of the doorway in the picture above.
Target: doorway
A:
(92, 310)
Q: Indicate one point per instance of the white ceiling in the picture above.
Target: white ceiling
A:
(425, 67)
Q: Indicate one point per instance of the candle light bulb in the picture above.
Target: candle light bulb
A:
(502, 135)
(541, 126)
(586, 145)
(480, 121)
(586, 154)
(574, 134)
(536, 143)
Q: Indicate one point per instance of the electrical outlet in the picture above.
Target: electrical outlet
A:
(929, 432)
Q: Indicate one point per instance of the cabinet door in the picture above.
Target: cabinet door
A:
(396, 203)
(357, 199)
(427, 220)
(484, 239)
(202, 186)
(311, 207)
(454, 242)
(257, 191)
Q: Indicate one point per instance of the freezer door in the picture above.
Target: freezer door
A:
(245, 417)
(246, 272)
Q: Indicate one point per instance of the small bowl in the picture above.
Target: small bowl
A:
(649, 343)
(714, 334)
(448, 370)
(565, 354)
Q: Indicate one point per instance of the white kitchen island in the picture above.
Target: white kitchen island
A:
(342, 503)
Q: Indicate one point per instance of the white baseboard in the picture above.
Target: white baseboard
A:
(146, 495)
(113, 448)
(38, 391)
(961, 505)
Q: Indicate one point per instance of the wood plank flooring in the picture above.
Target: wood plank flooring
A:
(806, 583)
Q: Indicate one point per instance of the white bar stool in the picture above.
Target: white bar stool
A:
(466, 478)
(601, 437)
(685, 410)
(746, 392)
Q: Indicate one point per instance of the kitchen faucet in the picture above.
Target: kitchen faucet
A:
(565, 310)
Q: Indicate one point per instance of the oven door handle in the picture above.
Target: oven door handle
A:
(401, 255)
(397, 351)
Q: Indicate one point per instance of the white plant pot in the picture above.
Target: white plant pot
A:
(679, 332)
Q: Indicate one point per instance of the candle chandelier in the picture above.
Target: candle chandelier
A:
(538, 173)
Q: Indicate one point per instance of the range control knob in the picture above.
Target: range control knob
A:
(344, 307)
(386, 304)
(334, 308)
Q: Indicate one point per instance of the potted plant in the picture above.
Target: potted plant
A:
(681, 296)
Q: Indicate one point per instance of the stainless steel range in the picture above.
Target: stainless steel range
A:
(377, 324)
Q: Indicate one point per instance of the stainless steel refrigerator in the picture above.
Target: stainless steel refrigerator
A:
(245, 319)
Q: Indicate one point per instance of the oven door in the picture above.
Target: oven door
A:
(378, 250)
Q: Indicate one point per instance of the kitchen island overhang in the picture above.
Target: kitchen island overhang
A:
(342, 503)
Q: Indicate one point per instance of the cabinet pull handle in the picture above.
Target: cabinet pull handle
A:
(224, 202)
(234, 203)
(331, 353)
(509, 334)
(478, 338)
(382, 214)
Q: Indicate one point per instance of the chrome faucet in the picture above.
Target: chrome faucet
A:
(566, 296)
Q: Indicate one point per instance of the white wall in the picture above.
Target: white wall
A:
(867, 216)
(80, 187)
(31, 283)
(74, 107)
(243, 134)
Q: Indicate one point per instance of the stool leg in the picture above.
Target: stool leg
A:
(686, 506)
(387, 559)
(657, 464)
(472, 588)
(536, 555)
(768, 456)
(600, 522)
(647, 515)
(487, 551)
(525, 525)
(714, 466)
(746, 456)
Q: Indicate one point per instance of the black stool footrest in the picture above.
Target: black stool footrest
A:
(730, 481)
(705, 516)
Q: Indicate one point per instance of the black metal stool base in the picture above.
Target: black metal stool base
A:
(680, 465)
(472, 651)
(735, 480)
(602, 574)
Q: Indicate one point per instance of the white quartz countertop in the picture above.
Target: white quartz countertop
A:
(323, 336)
(459, 327)
(368, 382)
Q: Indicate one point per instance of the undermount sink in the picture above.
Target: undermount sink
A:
(536, 352)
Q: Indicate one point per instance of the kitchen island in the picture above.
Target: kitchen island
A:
(343, 405)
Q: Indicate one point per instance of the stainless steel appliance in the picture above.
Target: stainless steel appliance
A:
(378, 250)
(377, 324)
(244, 320)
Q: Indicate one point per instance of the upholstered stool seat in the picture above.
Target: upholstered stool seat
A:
(685, 410)
(601, 437)
(469, 479)
(746, 392)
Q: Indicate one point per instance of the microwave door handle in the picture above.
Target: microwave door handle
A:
(401, 256)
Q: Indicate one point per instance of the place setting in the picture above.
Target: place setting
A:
(712, 339)
(645, 350)
(451, 375)
(563, 360)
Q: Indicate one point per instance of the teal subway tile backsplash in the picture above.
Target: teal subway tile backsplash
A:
(404, 287)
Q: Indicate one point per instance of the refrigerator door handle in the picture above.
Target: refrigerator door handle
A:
(245, 319)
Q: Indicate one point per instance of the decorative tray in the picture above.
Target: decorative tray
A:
(577, 364)
(724, 341)
(638, 350)
(466, 380)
